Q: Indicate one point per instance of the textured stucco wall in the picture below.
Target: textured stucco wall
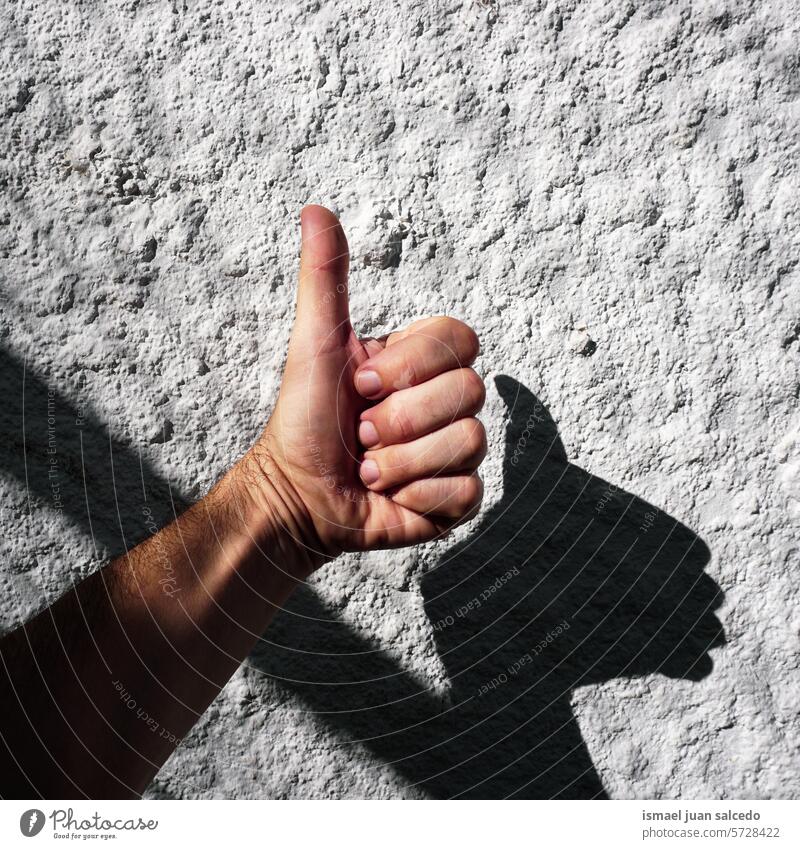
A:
(608, 191)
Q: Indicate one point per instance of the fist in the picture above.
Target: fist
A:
(373, 443)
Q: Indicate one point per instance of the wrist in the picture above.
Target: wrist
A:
(275, 517)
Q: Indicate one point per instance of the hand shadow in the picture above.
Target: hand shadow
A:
(566, 581)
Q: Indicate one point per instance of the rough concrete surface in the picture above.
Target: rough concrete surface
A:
(608, 192)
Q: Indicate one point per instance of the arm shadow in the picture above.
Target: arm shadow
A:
(65, 458)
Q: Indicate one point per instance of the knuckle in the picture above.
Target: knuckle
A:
(467, 344)
(471, 514)
(407, 374)
(471, 493)
(474, 389)
(392, 464)
(460, 338)
(400, 421)
(474, 440)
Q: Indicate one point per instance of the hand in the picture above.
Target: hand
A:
(373, 442)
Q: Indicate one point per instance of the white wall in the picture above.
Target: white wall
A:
(620, 172)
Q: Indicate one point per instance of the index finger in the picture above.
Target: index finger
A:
(425, 350)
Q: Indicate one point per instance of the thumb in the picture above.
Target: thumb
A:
(322, 321)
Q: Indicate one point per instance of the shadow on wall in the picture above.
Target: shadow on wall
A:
(566, 581)
(66, 459)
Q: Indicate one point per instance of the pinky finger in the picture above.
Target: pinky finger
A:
(456, 498)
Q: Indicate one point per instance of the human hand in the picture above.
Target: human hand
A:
(373, 442)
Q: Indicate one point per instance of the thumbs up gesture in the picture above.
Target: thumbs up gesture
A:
(373, 442)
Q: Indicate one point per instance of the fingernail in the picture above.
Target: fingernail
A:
(370, 471)
(368, 383)
(368, 435)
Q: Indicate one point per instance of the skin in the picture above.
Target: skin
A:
(372, 444)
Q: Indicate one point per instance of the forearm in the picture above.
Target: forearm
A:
(98, 689)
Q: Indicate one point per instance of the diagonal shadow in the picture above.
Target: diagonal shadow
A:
(560, 547)
(66, 459)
